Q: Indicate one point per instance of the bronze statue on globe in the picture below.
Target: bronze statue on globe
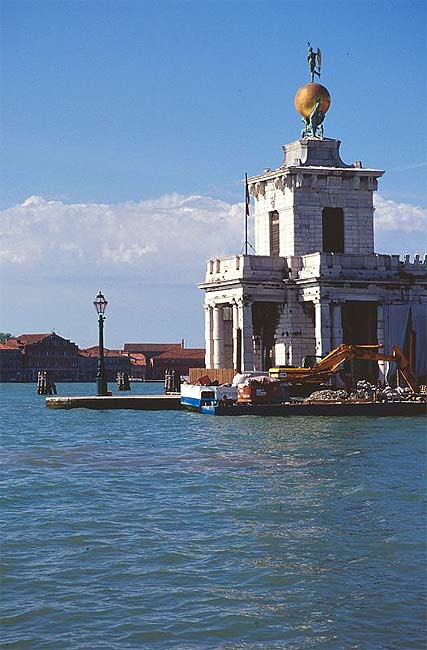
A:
(313, 124)
(312, 101)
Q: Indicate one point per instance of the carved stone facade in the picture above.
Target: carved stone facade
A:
(315, 281)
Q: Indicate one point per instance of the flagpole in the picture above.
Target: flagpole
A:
(246, 213)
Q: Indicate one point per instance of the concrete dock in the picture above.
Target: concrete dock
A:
(172, 403)
(137, 402)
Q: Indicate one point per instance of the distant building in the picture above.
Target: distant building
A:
(150, 360)
(114, 360)
(150, 350)
(179, 360)
(10, 363)
(88, 366)
(23, 357)
(46, 352)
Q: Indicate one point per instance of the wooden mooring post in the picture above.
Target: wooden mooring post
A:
(122, 380)
(45, 383)
(172, 381)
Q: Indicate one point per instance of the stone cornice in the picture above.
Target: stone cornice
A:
(311, 156)
(220, 285)
(302, 283)
(331, 171)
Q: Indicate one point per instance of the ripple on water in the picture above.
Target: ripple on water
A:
(172, 530)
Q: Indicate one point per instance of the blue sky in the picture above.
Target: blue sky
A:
(111, 103)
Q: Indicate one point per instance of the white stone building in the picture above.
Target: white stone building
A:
(315, 281)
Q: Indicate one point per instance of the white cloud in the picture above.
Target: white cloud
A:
(399, 227)
(161, 240)
(54, 257)
(390, 215)
(167, 239)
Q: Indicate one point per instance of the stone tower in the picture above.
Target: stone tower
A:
(314, 202)
(315, 281)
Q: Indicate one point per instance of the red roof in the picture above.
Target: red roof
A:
(27, 339)
(189, 353)
(33, 338)
(5, 346)
(11, 343)
(94, 352)
(151, 347)
(137, 358)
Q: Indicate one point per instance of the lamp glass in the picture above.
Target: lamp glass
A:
(100, 303)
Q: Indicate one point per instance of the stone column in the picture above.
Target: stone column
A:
(322, 328)
(336, 325)
(247, 335)
(236, 338)
(208, 337)
(217, 336)
(383, 366)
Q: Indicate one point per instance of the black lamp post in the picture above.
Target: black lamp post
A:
(101, 380)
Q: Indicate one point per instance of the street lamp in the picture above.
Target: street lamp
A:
(100, 304)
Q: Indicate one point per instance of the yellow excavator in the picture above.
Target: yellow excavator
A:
(327, 366)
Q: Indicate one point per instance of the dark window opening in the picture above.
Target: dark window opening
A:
(359, 324)
(333, 230)
(274, 234)
(265, 316)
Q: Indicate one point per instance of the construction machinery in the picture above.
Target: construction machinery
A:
(329, 365)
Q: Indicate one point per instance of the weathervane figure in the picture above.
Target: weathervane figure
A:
(314, 61)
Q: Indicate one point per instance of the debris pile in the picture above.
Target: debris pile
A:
(366, 391)
(327, 395)
(400, 395)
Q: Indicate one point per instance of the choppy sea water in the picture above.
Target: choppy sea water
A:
(166, 530)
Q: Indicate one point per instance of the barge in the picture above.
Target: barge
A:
(258, 396)
(327, 409)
